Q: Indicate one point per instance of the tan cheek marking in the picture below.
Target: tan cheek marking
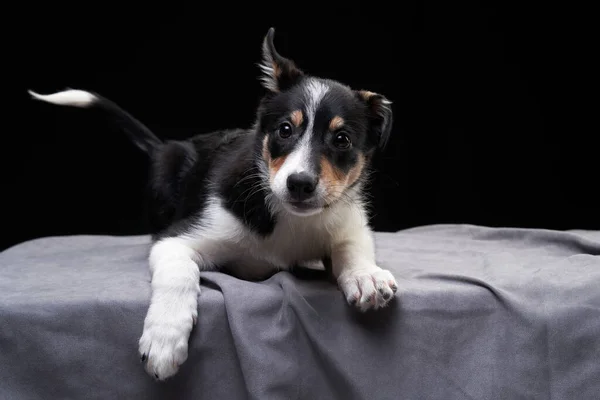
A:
(265, 150)
(329, 173)
(276, 163)
(273, 163)
(336, 123)
(356, 171)
(335, 181)
(297, 118)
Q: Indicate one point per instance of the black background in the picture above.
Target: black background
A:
(494, 103)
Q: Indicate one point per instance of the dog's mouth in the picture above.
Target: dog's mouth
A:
(301, 205)
(303, 208)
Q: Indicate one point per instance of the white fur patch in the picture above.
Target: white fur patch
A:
(173, 307)
(314, 92)
(296, 162)
(71, 97)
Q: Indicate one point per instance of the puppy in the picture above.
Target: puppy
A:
(284, 193)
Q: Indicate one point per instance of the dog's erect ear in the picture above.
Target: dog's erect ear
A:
(279, 73)
(380, 116)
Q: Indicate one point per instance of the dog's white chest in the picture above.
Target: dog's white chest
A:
(295, 240)
(224, 240)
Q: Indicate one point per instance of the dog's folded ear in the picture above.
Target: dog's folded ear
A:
(380, 116)
(279, 73)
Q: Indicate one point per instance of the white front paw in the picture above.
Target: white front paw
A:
(164, 342)
(368, 288)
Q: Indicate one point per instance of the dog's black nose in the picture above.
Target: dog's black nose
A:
(301, 185)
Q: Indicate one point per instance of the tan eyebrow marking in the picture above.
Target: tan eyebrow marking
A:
(336, 123)
(297, 118)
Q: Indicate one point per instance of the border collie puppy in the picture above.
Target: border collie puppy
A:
(285, 193)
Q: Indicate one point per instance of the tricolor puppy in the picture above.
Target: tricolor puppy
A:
(286, 192)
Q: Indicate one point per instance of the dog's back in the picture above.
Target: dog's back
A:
(182, 174)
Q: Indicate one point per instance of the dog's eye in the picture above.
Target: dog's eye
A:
(285, 130)
(342, 141)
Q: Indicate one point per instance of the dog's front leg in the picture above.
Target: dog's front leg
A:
(173, 311)
(364, 284)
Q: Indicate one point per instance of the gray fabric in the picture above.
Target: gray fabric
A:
(481, 313)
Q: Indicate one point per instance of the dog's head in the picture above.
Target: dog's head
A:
(316, 135)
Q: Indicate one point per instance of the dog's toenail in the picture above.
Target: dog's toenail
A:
(144, 357)
(386, 296)
(156, 376)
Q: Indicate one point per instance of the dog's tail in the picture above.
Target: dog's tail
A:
(139, 134)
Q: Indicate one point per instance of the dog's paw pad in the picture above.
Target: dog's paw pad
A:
(370, 288)
(163, 349)
(163, 346)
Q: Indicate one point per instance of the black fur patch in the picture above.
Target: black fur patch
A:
(185, 174)
(243, 188)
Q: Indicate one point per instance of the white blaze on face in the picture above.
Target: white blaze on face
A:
(299, 160)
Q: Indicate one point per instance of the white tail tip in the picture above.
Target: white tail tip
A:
(71, 97)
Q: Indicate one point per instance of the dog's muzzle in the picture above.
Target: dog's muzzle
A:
(302, 193)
